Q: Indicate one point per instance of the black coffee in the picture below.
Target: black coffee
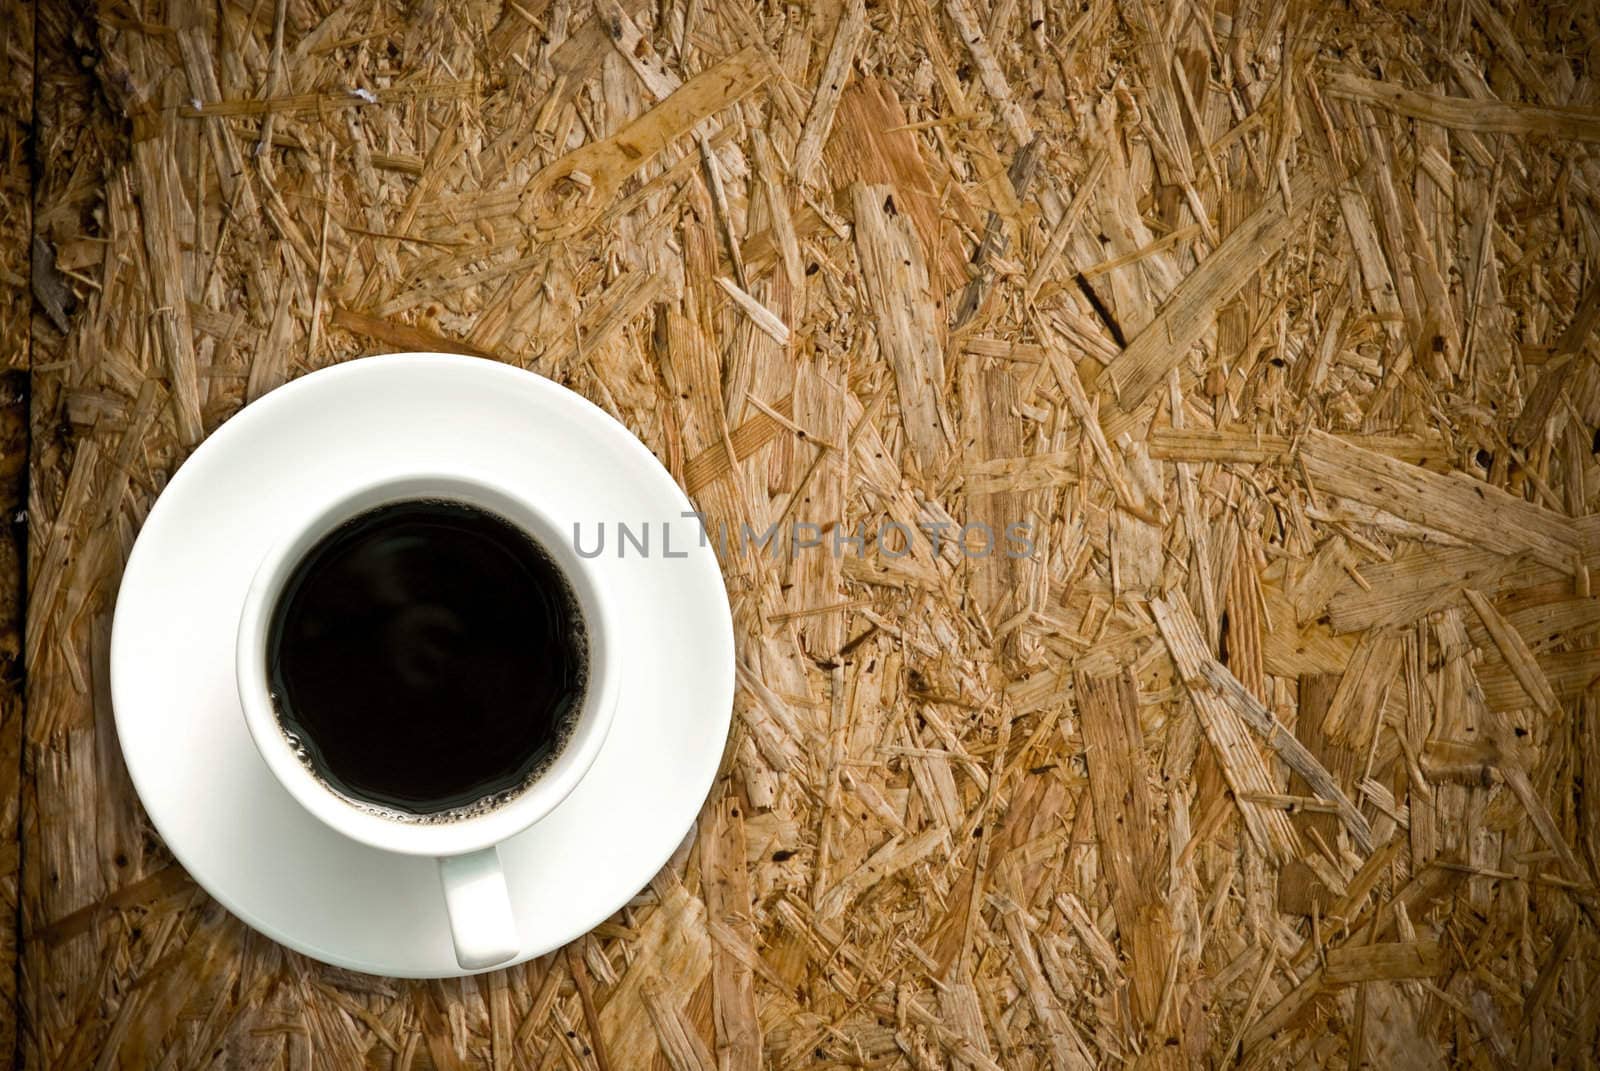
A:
(427, 655)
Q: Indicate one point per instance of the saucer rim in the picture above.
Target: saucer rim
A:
(720, 645)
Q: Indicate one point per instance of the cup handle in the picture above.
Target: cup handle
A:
(481, 921)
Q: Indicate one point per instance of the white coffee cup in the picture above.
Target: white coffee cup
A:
(482, 923)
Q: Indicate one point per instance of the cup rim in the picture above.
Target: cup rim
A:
(369, 826)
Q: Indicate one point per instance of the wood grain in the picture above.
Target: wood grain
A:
(1193, 410)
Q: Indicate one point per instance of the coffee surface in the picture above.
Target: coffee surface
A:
(427, 657)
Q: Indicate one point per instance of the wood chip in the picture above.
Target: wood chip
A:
(1186, 315)
(1242, 764)
(1385, 962)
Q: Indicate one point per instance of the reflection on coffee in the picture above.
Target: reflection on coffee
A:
(427, 658)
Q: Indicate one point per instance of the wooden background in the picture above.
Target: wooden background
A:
(1276, 320)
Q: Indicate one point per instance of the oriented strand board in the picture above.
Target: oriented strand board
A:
(1201, 398)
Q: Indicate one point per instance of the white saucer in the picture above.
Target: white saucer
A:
(204, 785)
